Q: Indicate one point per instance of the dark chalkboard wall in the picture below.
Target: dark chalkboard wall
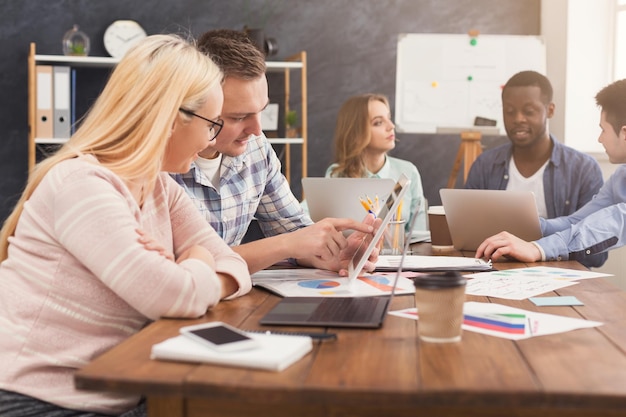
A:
(351, 47)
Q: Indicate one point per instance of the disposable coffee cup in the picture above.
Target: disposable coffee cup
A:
(439, 233)
(439, 299)
(393, 240)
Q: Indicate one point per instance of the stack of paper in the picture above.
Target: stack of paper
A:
(431, 263)
(276, 353)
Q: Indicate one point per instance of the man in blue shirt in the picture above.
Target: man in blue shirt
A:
(238, 177)
(596, 227)
(562, 179)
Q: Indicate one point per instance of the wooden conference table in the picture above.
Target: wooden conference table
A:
(388, 371)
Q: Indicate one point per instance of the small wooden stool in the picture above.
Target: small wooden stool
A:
(469, 150)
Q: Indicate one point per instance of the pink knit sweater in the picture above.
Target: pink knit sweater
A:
(77, 282)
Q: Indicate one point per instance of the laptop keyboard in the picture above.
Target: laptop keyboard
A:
(346, 309)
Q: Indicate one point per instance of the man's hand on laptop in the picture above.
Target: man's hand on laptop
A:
(505, 245)
(333, 251)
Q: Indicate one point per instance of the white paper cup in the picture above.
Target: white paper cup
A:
(439, 299)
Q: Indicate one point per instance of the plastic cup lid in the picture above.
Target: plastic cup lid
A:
(444, 280)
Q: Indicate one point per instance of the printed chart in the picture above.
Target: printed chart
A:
(310, 283)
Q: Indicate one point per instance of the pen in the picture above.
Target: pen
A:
(314, 336)
(530, 327)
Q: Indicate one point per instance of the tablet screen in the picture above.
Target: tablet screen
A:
(369, 242)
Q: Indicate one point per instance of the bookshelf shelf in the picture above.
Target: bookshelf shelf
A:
(276, 66)
(77, 61)
(290, 141)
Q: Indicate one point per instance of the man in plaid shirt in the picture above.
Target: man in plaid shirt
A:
(238, 177)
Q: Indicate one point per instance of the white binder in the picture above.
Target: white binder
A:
(44, 122)
(62, 94)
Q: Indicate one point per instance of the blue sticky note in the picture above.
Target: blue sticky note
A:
(568, 300)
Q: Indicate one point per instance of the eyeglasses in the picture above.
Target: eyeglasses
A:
(215, 127)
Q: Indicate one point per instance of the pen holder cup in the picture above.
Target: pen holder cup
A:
(439, 231)
(439, 299)
(393, 238)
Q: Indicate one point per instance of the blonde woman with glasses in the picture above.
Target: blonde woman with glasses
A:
(103, 240)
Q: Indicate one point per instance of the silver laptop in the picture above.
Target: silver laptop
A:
(366, 312)
(474, 215)
(340, 197)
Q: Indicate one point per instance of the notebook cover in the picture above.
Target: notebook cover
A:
(277, 352)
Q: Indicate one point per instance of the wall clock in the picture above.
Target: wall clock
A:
(121, 35)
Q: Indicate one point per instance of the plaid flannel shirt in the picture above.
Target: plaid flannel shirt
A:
(251, 186)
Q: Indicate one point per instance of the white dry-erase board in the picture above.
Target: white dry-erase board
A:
(447, 80)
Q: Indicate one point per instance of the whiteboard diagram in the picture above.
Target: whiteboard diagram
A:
(446, 80)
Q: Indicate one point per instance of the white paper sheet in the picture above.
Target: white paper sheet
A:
(522, 283)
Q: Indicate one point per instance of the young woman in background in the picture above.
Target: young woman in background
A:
(364, 135)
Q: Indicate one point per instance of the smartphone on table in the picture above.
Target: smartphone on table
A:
(220, 336)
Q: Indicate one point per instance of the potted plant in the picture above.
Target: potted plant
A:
(291, 122)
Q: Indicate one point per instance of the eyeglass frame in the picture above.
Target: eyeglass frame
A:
(218, 122)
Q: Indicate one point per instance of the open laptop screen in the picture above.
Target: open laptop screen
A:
(347, 192)
(474, 215)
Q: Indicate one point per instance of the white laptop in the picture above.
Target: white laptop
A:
(340, 197)
(474, 215)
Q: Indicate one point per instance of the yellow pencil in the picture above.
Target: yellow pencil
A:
(366, 206)
(396, 236)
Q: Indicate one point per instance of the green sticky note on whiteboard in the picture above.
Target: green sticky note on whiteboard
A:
(568, 300)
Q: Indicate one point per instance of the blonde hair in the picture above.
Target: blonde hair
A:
(128, 127)
(353, 134)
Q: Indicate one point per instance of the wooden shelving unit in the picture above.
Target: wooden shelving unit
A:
(293, 63)
(70, 61)
(296, 62)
